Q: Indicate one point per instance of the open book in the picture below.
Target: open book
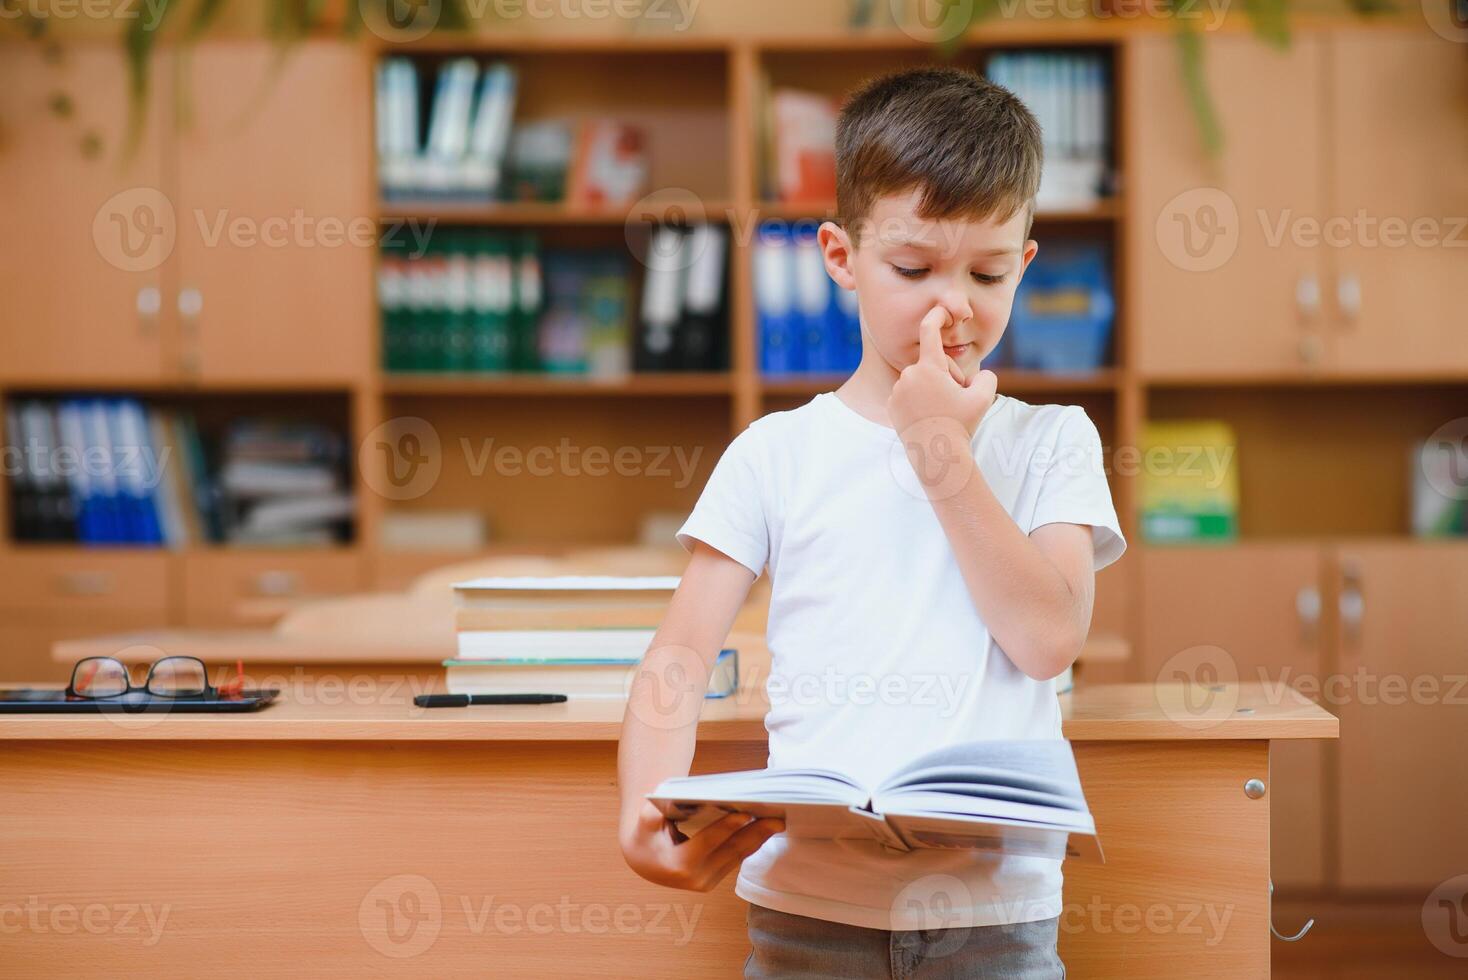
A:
(1015, 797)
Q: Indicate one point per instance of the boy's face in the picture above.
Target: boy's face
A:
(901, 266)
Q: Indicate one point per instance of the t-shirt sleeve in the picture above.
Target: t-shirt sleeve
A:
(730, 514)
(1073, 488)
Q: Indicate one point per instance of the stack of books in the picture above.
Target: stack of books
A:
(115, 471)
(468, 137)
(467, 147)
(806, 323)
(479, 301)
(683, 315)
(284, 484)
(1069, 94)
(798, 133)
(582, 636)
(1190, 486)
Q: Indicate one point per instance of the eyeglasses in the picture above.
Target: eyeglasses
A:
(170, 677)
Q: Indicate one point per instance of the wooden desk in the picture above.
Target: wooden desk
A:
(267, 652)
(355, 835)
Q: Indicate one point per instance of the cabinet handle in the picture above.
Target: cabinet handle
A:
(1352, 602)
(1307, 297)
(190, 305)
(1311, 349)
(1307, 609)
(1348, 297)
(150, 302)
(277, 583)
(88, 583)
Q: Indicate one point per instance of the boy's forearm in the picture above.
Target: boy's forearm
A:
(659, 730)
(1024, 600)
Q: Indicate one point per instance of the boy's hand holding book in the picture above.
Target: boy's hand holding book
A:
(659, 852)
(933, 408)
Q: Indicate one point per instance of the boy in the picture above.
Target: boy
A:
(932, 547)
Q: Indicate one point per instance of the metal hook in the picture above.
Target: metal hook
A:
(1289, 939)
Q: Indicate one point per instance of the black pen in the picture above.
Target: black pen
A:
(464, 700)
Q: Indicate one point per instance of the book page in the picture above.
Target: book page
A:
(765, 786)
(1037, 765)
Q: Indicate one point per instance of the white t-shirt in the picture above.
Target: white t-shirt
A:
(878, 654)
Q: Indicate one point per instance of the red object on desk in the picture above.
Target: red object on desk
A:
(232, 687)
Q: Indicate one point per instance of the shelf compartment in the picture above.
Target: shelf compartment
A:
(538, 385)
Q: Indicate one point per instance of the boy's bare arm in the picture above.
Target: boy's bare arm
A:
(1034, 592)
(661, 723)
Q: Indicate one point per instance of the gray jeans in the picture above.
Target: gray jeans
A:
(790, 946)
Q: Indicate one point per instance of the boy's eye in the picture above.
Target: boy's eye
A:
(909, 273)
(986, 279)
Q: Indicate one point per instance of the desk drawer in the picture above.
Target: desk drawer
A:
(232, 588)
(86, 588)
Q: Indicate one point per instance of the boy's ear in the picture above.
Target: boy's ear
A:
(837, 251)
(1027, 256)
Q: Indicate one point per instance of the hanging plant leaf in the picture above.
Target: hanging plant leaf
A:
(1271, 19)
(138, 43)
(1195, 85)
(452, 16)
(205, 14)
(979, 11)
(351, 18)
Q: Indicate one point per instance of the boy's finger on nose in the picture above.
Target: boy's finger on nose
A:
(930, 334)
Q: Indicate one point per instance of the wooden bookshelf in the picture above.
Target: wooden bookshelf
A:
(530, 214)
(558, 386)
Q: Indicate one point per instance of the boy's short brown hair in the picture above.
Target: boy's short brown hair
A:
(972, 146)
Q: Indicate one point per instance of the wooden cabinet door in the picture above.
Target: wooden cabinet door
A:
(1251, 601)
(1399, 138)
(48, 595)
(87, 239)
(277, 246)
(1404, 717)
(1214, 291)
(225, 587)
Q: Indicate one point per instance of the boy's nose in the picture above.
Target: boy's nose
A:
(957, 305)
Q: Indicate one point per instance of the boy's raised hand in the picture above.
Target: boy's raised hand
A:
(697, 863)
(932, 389)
